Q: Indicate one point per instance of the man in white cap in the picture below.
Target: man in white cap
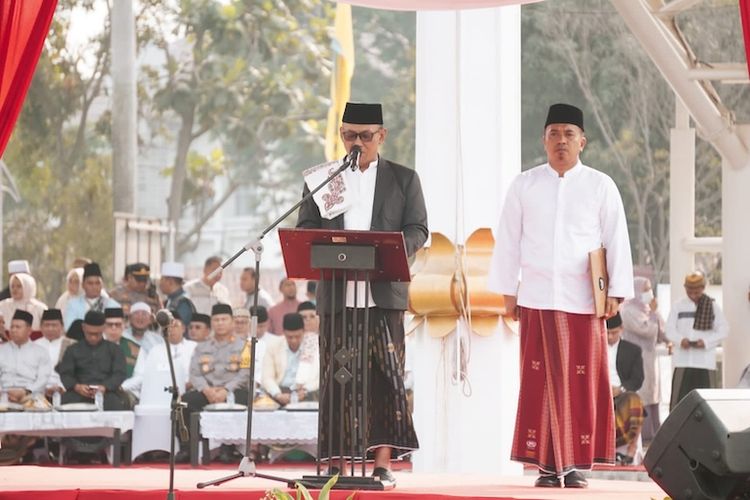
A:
(139, 331)
(170, 284)
(14, 267)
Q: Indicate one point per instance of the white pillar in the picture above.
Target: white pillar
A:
(735, 276)
(124, 106)
(681, 199)
(468, 132)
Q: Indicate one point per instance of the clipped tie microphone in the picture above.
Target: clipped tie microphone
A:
(164, 318)
(353, 157)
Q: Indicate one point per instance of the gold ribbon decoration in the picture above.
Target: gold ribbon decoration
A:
(450, 281)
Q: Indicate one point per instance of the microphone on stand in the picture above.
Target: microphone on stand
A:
(353, 157)
(164, 318)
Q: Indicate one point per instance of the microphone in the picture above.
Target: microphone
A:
(164, 318)
(353, 156)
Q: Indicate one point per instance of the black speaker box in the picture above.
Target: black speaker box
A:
(702, 450)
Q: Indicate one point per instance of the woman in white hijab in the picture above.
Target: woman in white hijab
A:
(23, 296)
(74, 289)
(643, 326)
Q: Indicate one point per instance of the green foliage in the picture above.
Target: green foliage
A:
(61, 162)
(303, 493)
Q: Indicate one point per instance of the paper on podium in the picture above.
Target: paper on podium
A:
(599, 279)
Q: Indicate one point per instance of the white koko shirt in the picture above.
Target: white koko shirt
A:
(680, 326)
(548, 226)
(359, 216)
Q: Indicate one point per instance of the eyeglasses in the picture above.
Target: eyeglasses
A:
(365, 135)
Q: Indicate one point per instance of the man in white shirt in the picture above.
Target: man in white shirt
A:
(139, 330)
(93, 297)
(55, 342)
(554, 215)
(247, 285)
(207, 291)
(696, 326)
(25, 367)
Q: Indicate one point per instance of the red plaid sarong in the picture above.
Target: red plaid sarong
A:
(565, 416)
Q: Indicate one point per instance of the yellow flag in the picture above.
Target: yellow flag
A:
(343, 69)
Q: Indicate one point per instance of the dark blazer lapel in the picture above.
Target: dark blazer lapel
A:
(384, 183)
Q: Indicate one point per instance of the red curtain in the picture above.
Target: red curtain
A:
(23, 28)
(745, 14)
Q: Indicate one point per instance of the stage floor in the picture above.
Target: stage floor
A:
(142, 482)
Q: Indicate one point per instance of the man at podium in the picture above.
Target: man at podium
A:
(380, 196)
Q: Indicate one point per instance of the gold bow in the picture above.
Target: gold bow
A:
(450, 281)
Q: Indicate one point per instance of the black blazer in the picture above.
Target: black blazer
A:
(398, 206)
(629, 365)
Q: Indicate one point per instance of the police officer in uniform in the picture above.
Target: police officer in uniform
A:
(215, 371)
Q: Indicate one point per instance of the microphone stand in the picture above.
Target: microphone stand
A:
(175, 415)
(247, 465)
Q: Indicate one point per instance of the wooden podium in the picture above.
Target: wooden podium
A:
(338, 257)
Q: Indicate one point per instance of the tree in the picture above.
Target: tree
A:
(59, 156)
(246, 76)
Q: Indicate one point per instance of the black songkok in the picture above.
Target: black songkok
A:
(114, 312)
(23, 316)
(91, 270)
(52, 315)
(564, 113)
(306, 306)
(221, 309)
(94, 318)
(201, 318)
(358, 113)
(293, 321)
(261, 312)
(614, 322)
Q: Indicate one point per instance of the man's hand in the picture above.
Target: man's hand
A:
(653, 305)
(685, 344)
(16, 395)
(84, 390)
(511, 307)
(700, 344)
(301, 393)
(616, 391)
(611, 307)
(283, 398)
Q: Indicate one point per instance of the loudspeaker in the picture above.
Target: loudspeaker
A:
(702, 450)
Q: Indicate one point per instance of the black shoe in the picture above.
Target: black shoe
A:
(575, 479)
(384, 474)
(182, 457)
(547, 481)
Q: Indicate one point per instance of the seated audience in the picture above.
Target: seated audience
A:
(25, 367)
(286, 375)
(696, 326)
(93, 365)
(241, 322)
(23, 297)
(114, 327)
(140, 329)
(56, 343)
(93, 298)
(626, 377)
(156, 360)
(200, 327)
(73, 288)
(215, 372)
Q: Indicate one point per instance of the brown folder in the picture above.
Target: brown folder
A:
(599, 279)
